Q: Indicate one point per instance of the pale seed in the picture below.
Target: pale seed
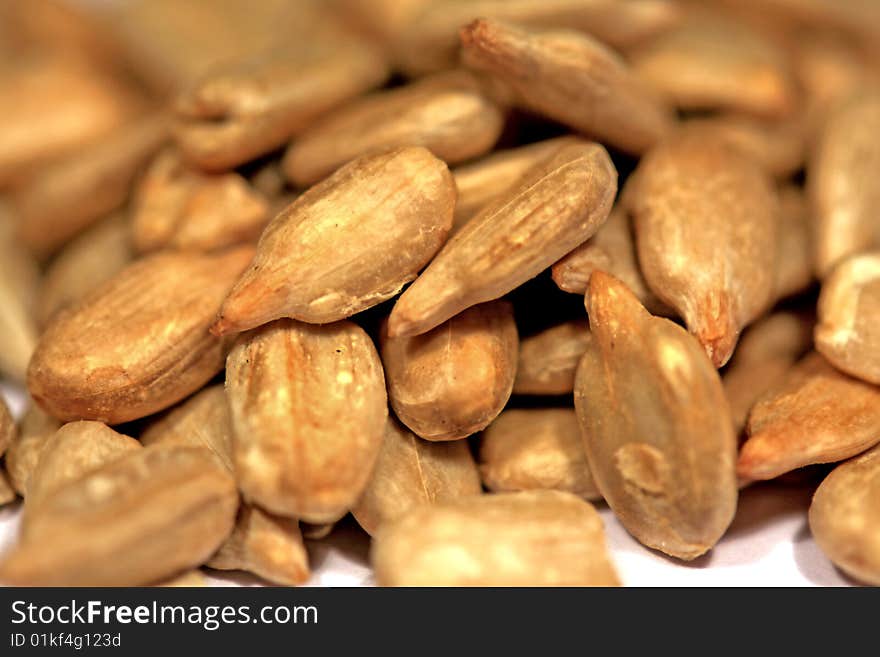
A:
(536, 449)
(138, 343)
(794, 259)
(411, 472)
(448, 114)
(779, 146)
(557, 205)
(840, 180)
(487, 178)
(19, 282)
(706, 220)
(71, 194)
(428, 40)
(571, 78)
(254, 106)
(718, 63)
(75, 450)
(203, 420)
(531, 538)
(142, 518)
(816, 414)
(655, 424)
(178, 207)
(453, 380)
(35, 429)
(348, 243)
(308, 409)
(89, 260)
(767, 351)
(612, 250)
(266, 545)
(845, 517)
(848, 332)
(548, 360)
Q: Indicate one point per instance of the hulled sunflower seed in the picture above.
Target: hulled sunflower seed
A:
(140, 342)
(348, 243)
(75, 450)
(656, 426)
(35, 429)
(411, 472)
(816, 414)
(571, 78)
(706, 227)
(453, 380)
(308, 409)
(530, 538)
(845, 517)
(840, 178)
(448, 114)
(177, 207)
(612, 250)
(556, 205)
(548, 360)
(536, 449)
(144, 517)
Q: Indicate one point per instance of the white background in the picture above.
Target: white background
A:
(768, 544)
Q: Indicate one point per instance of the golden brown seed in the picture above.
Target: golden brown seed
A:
(656, 426)
(348, 243)
(189, 579)
(35, 429)
(779, 146)
(548, 360)
(706, 219)
(447, 114)
(170, 43)
(255, 106)
(91, 259)
(794, 260)
(429, 40)
(453, 380)
(75, 450)
(261, 543)
(612, 250)
(19, 282)
(8, 431)
(531, 538)
(828, 66)
(140, 342)
(848, 332)
(178, 207)
(266, 545)
(73, 193)
(53, 106)
(142, 518)
(845, 517)
(816, 414)
(411, 472)
(767, 351)
(203, 420)
(486, 179)
(556, 205)
(308, 410)
(570, 78)
(717, 63)
(840, 179)
(536, 449)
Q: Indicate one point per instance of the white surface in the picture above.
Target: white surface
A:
(768, 544)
